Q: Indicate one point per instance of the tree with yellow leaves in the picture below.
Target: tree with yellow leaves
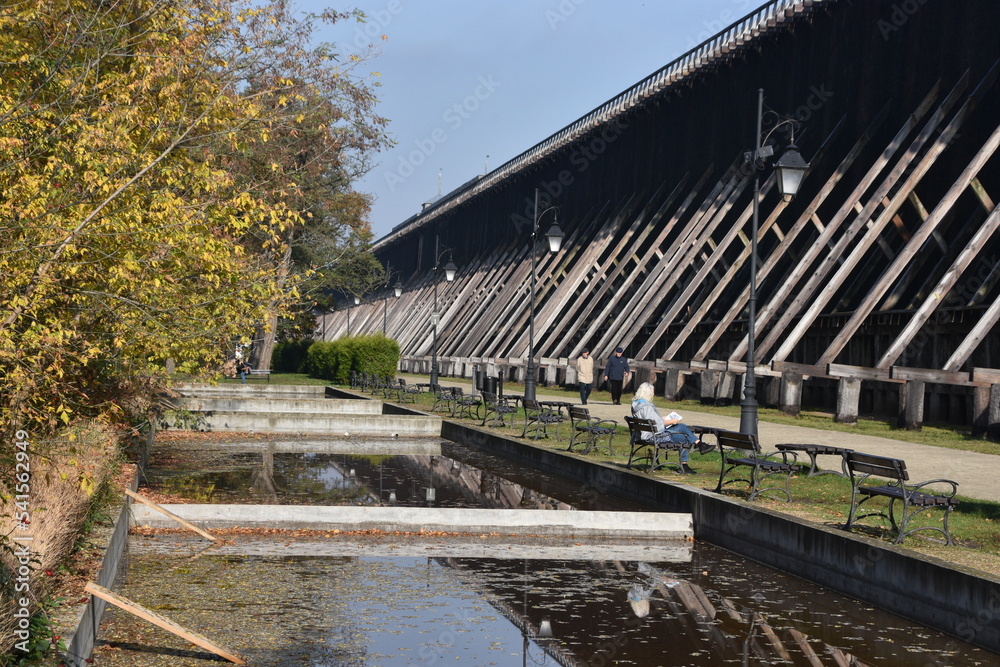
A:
(139, 221)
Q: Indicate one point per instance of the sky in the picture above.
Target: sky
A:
(469, 85)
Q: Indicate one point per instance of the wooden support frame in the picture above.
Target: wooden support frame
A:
(810, 302)
(163, 622)
(187, 524)
(804, 267)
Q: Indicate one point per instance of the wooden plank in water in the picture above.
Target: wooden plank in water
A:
(802, 641)
(163, 622)
(187, 524)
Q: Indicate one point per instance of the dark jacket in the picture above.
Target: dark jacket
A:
(617, 367)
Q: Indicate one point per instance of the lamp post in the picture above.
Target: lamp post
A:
(554, 235)
(397, 290)
(357, 300)
(791, 169)
(449, 274)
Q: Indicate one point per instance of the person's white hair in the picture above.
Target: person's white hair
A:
(645, 392)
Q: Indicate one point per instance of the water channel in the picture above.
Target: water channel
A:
(324, 600)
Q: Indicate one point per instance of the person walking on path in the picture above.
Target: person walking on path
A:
(616, 374)
(585, 375)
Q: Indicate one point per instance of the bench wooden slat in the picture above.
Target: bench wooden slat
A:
(863, 467)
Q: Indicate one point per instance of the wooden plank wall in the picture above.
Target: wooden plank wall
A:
(883, 271)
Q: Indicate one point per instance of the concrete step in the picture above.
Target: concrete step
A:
(249, 390)
(304, 422)
(414, 519)
(290, 403)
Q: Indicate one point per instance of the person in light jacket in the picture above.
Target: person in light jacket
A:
(643, 408)
(585, 375)
(615, 374)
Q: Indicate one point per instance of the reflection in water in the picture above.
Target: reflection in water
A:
(458, 478)
(604, 613)
(378, 610)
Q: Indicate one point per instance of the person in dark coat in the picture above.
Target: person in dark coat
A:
(616, 374)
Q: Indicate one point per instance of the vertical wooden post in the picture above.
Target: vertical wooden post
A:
(708, 380)
(672, 385)
(911, 397)
(848, 399)
(727, 385)
(993, 420)
(791, 394)
(642, 371)
(980, 410)
(772, 392)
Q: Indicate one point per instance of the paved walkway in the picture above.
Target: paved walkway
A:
(978, 475)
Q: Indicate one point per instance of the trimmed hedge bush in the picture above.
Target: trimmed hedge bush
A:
(334, 360)
(290, 356)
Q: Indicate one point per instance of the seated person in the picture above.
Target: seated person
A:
(670, 429)
(242, 368)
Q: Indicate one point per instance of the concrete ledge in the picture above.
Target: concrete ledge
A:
(961, 602)
(369, 445)
(300, 422)
(249, 390)
(80, 643)
(654, 551)
(274, 404)
(415, 519)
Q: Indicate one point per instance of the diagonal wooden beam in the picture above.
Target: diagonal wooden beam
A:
(574, 286)
(162, 621)
(637, 308)
(973, 339)
(554, 290)
(784, 246)
(825, 242)
(587, 317)
(877, 291)
(821, 286)
(941, 290)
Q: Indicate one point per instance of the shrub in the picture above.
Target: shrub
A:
(291, 356)
(334, 360)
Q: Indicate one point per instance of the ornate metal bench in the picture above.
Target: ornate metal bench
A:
(654, 449)
(465, 405)
(407, 392)
(444, 397)
(741, 450)
(589, 430)
(537, 419)
(863, 467)
(495, 410)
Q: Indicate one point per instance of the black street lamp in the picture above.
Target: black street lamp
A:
(357, 300)
(449, 274)
(398, 291)
(554, 235)
(790, 170)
